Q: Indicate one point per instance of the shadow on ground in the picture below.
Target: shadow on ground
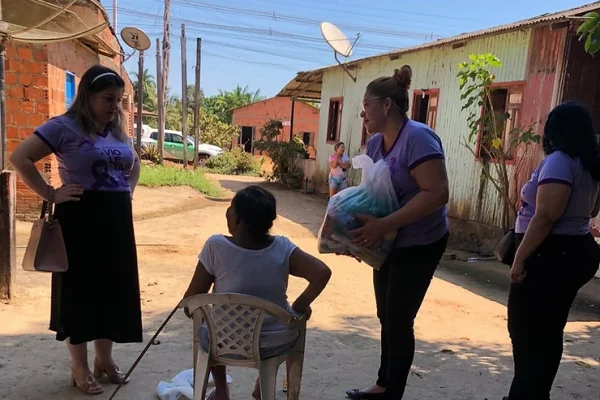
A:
(456, 370)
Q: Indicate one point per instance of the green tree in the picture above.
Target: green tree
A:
(148, 89)
(216, 132)
(590, 31)
(488, 138)
(284, 154)
(223, 103)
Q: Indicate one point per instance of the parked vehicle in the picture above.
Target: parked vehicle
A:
(173, 146)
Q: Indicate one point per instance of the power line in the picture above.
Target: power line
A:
(305, 21)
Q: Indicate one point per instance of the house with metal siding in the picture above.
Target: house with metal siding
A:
(543, 64)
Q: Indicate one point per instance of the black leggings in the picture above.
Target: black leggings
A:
(538, 310)
(400, 287)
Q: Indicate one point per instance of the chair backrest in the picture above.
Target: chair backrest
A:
(234, 322)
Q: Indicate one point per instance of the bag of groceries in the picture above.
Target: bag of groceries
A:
(374, 196)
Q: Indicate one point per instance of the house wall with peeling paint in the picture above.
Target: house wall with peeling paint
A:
(472, 198)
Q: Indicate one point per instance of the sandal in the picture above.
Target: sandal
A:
(356, 394)
(114, 374)
(88, 384)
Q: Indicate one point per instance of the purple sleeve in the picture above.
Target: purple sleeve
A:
(51, 133)
(423, 145)
(557, 168)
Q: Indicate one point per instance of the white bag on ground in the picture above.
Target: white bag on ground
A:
(181, 385)
(374, 196)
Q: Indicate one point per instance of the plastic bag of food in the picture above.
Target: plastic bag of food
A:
(374, 196)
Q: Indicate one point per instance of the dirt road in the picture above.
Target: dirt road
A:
(463, 350)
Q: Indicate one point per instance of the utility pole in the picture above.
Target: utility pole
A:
(161, 104)
(292, 120)
(140, 104)
(184, 98)
(197, 100)
(115, 15)
(8, 193)
(166, 55)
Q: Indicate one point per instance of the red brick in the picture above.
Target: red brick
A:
(42, 107)
(12, 132)
(40, 54)
(24, 133)
(16, 92)
(36, 119)
(35, 93)
(20, 118)
(12, 104)
(10, 78)
(33, 67)
(25, 53)
(40, 80)
(11, 52)
(27, 106)
(26, 79)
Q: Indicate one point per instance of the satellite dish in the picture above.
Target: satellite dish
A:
(135, 38)
(336, 39)
(340, 44)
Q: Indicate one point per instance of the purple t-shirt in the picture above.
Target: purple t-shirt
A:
(558, 167)
(415, 144)
(103, 163)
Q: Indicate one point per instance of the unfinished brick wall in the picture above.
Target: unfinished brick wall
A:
(35, 80)
(27, 107)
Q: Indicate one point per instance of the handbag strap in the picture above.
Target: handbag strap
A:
(48, 206)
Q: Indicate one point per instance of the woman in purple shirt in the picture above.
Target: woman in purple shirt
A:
(557, 255)
(416, 160)
(98, 298)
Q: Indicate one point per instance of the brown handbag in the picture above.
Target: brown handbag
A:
(46, 250)
(506, 248)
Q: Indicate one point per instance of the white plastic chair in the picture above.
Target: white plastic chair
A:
(234, 322)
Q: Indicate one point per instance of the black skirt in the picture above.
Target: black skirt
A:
(99, 296)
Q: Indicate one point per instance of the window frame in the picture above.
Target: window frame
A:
(69, 76)
(432, 93)
(340, 112)
(512, 88)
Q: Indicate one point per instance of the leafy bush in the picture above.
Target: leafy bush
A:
(235, 162)
(284, 155)
(150, 153)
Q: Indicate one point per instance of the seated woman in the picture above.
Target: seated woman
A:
(252, 262)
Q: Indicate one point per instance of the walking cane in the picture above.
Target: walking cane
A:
(143, 352)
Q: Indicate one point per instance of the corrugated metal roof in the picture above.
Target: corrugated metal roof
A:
(313, 78)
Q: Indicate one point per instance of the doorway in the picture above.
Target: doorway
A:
(246, 138)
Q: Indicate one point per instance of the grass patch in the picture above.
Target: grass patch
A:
(159, 176)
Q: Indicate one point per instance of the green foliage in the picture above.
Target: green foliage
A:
(235, 162)
(214, 131)
(590, 31)
(150, 153)
(283, 154)
(158, 176)
(487, 129)
(222, 104)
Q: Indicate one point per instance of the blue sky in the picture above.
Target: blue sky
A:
(263, 43)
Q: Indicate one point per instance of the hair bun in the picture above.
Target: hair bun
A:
(403, 76)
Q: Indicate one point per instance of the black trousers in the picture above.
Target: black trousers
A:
(538, 310)
(400, 287)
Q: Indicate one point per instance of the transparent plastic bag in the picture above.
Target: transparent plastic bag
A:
(374, 196)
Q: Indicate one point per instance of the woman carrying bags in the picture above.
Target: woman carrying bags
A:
(416, 160)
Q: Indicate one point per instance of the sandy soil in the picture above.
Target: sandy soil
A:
(463, 349)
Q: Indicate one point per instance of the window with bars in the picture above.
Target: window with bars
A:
(334, 119)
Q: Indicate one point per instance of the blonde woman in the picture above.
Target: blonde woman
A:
(98, 298)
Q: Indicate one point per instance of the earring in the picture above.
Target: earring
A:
(385, 113)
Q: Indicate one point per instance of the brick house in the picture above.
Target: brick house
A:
(41, 81)
(252, 117)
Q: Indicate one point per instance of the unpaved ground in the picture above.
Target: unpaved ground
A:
(463, 350)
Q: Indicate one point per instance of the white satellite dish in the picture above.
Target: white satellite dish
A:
(340, 44)
(135, 38)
